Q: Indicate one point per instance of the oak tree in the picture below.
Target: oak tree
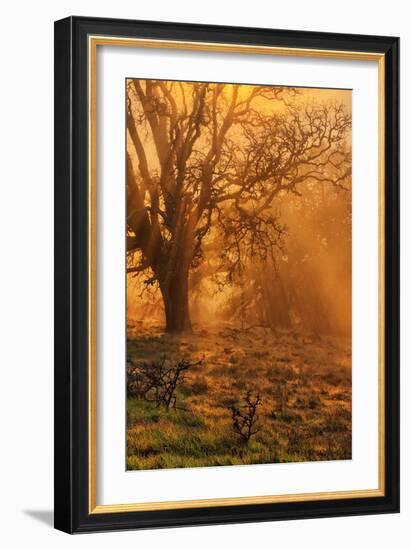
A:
(210, 159)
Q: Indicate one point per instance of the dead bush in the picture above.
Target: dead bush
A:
(245, 417)
(157, 381)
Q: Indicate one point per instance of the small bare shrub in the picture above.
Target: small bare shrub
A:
(245, 418)
(157, 381)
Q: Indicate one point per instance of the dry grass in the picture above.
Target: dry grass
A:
(304, 382)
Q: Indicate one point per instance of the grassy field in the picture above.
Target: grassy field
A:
(303, 381)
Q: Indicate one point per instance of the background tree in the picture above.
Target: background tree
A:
(206, 160)
(309, 286)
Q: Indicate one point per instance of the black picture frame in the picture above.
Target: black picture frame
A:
(72, 276)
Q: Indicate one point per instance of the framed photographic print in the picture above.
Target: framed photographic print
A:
(226, 274)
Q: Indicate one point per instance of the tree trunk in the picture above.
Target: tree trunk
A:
(176, 303)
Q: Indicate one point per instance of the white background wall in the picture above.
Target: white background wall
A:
(26, 291)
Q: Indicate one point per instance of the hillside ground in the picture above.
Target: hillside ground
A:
(303, 381)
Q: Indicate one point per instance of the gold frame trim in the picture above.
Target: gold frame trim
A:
(93, 42)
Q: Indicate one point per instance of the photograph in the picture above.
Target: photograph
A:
(203, 345)
(238, 274)
(227, 274)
